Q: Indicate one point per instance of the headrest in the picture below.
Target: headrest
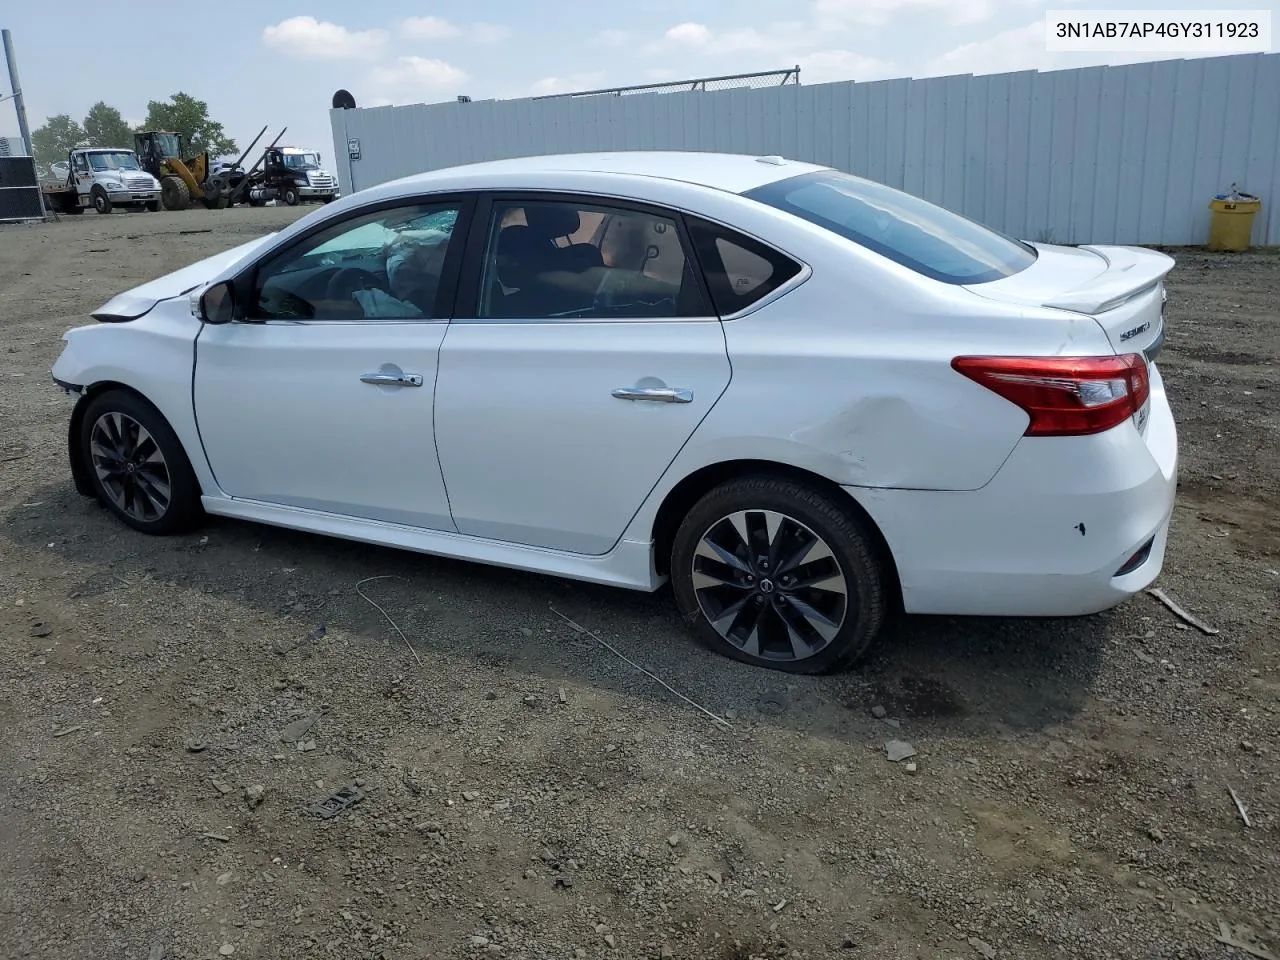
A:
(521, 252)
(552, 219)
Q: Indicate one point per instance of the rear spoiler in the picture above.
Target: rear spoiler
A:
(1131, 272)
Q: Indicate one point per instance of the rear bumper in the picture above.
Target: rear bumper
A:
(1049, 535)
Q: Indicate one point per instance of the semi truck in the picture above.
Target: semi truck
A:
(287, 175)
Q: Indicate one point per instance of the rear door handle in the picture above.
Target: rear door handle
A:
(660, 394)
(393, 379)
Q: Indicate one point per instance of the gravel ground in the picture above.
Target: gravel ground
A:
(527, 794)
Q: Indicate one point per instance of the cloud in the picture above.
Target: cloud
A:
(779, 41)
(874, 13)
(829, 66)
(414, 80)
(689, 34)
(306, 38)
(488, 32)
(1023, 48)
(570, 83)
(612, 38)
(438, 28)
(428, 28)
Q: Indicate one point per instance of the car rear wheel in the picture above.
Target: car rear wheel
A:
(778, 574)
(137, 465)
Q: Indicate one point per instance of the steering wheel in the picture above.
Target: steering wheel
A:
(343, 285)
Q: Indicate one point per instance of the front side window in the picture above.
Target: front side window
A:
(386, 265)
(580, 260)
(167, 144)
(920, 235)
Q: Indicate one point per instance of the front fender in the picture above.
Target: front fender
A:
(152, 356)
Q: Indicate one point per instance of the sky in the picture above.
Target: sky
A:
(278, 64)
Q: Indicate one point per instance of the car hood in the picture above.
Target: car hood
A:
(134, 303)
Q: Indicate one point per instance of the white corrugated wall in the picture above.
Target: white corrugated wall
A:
(1128, 154)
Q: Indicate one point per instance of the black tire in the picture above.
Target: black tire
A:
(257, 203)
(118, 411)
(289, 194)
(849, 559)
(153, 206)
(101, 202)
(174, 193)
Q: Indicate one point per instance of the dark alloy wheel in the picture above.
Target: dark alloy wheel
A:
(775, 573)
(289, 194)
(101, 202)
(137, 465)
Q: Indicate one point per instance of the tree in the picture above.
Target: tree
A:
(189, 117)
(104, 127)
(58, 135)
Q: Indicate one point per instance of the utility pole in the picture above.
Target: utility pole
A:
(24, 131)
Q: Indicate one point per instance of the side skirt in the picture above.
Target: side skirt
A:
(628, 565)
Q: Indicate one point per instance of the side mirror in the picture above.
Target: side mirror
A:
(218, 303)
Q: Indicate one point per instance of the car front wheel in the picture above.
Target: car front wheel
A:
(778, 574)
(137, 465)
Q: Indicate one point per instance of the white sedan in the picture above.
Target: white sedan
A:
(804, 398)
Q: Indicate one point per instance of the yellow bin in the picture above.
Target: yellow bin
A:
(1231, 224)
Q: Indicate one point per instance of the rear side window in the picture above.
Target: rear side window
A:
(739, 270)
(928, 239)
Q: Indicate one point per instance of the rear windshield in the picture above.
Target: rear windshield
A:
(910, 231)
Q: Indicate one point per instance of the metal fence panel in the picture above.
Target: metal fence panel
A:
(1128, 154)
(20, 197)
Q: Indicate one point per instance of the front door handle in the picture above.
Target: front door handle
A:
(393, 379)
(660, 394)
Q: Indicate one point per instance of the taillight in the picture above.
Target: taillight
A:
(1065, 396)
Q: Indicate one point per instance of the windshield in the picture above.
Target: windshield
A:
(302, 161)
(915, 233)
(121, 160)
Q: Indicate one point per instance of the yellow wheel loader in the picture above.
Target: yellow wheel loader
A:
(181, 179)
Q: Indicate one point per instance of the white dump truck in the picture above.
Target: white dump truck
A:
(103, 178)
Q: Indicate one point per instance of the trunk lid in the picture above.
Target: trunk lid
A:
(1122, 288)
(134, 303)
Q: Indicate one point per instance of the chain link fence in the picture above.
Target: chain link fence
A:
(767, 78)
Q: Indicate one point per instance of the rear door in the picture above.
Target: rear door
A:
(582, 356)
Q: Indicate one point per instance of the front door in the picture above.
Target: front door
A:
(81, 173)
(583, 357)
(321, 397)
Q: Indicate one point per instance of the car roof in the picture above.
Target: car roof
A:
(735, 173)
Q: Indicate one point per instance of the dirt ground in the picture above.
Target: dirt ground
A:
(530, 795)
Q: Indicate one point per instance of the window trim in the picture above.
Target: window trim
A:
(466, 306)
(245, 281)
(778, 292)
